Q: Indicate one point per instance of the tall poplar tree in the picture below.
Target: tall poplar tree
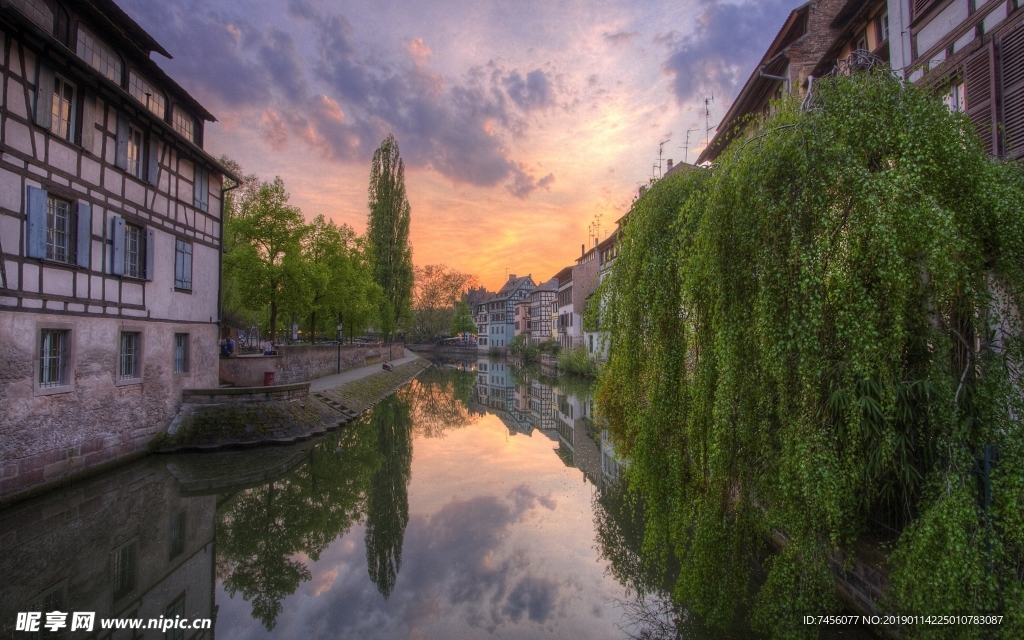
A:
(388, 232)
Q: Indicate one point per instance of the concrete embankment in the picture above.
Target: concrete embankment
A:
(239, 418)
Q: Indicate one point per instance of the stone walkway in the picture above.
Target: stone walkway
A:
(329, 382)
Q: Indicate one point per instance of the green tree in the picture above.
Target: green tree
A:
(339, 281)
(821, 333)
(263, 258)
(388, 233)
(462, 321)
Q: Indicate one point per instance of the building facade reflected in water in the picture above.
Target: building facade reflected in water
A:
(126, 545)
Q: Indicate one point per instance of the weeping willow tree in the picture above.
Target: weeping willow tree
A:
(818, 337)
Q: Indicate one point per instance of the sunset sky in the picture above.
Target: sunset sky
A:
(519, 122)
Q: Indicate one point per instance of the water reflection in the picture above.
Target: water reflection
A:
(126, 545)
(387, 500)
(263, 531)
(481, 532)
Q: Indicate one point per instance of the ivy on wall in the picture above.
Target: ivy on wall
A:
(817, 338)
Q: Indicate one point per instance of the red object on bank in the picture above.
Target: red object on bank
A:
(268, 378)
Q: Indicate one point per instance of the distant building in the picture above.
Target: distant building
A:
(110, 226)
(568, 321)
(522, 319)
(500, 312)
(543, 312)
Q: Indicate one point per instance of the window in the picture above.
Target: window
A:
(135, 165)
(53, 359)
(133, 251)
(143, 91)
(184, 123)
(181, 353)
(123, 569)
(98, 55)
(883, 27)
(63, 112)
(176, 610)
(38, 11)
(177, 533)
(60, 240)
(201, 189)
(131, 344)
(183, 265)
(954, 100)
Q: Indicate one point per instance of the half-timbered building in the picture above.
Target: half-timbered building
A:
(110, 236)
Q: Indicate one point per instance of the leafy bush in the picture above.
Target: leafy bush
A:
(577, 361)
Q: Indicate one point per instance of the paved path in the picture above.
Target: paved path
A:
(329, 382)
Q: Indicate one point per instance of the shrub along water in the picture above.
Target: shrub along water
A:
(819, 334)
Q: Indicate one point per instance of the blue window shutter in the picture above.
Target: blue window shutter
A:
(153, 165)
(43, 114)
(121, 156)
(35, 223)
(84, 234)
(150, 250)
(197, 187)
(117, 238)
(88, 134)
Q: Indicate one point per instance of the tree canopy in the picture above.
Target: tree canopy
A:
(819, 338)
(275, 262)
(388, 234)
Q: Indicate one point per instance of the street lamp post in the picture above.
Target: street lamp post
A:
(339, 336)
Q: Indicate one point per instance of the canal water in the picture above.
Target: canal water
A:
(477, 501)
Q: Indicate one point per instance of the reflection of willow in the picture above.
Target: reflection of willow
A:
(649, 613)
(261, 530)
(440, 400)
(387, 498)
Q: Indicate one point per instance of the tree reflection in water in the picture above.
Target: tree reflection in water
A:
(387, 499)
(261, 530)
(650, 613)
(440, 398)
(363, 470)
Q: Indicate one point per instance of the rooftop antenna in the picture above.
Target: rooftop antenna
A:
(661, 149)
(686, 147)
(707, 119)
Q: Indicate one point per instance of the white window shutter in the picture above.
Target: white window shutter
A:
(150, 251)
(84, 239)
(88, 134)
(153, 166)
(43, 114)
(35, 222)
(117, 240)
(121, 155)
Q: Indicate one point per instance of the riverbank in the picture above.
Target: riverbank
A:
(216, 423)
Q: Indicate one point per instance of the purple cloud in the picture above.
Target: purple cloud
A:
(729, 40)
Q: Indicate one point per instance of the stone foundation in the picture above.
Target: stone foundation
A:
(49, 436)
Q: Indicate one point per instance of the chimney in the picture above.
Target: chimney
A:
(511, 277)
(670, 164)
(583, 249)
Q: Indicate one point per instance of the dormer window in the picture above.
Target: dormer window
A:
(38, 11)
(184, 123)
(98, 55)
(144, 92)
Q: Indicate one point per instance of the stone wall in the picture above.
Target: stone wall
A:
(302, 363)
(49, 435)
